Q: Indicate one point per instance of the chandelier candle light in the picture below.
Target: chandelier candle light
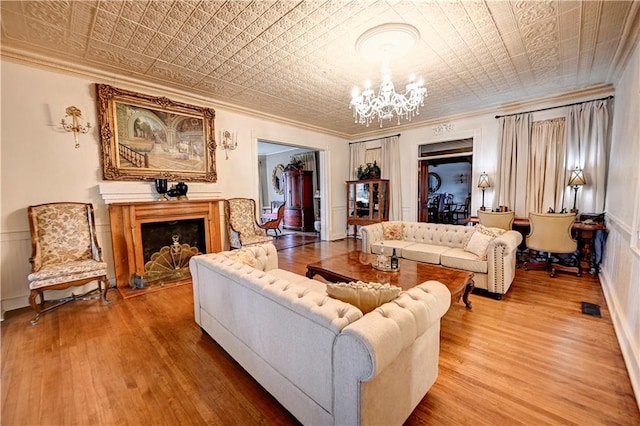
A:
(368, 106)
(385, 43)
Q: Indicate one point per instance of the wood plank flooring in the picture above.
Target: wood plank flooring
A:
(532, 358)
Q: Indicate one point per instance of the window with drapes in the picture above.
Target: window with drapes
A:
(535, 159)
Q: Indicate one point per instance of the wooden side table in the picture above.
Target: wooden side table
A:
(585, 234)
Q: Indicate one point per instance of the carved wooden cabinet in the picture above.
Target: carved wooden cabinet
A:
(298, 199)
(367, 202)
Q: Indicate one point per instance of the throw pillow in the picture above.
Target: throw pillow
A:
(392, 230)
(480, 239)
(494, 232)
(243, 256)
(364, 296)
(478, 244)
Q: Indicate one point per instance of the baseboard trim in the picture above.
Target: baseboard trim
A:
(630, 353)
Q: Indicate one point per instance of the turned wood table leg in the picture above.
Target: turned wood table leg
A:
(467, 290)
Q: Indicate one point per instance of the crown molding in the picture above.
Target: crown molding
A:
(553, 101)
(51, 64)
(48, 63)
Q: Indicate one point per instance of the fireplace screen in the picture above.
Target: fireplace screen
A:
(167, 248)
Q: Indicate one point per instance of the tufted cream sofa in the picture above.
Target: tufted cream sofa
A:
(322, 359)
(443, 244)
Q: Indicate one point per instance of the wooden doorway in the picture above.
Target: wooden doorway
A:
(444, 181)
(423, 191)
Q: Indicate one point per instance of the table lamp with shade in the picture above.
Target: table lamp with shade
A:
(483, 184)
(576, 180)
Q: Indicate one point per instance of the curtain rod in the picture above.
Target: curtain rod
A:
(369, 140)
(560, 106)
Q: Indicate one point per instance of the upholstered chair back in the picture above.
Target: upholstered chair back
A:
(551, 232)
(242, 214)
(242, 227)
(502, 220)
(62, 233)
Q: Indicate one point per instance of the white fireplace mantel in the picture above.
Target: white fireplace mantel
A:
(117, 192)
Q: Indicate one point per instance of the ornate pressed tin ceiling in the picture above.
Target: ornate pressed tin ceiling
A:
(297, 60)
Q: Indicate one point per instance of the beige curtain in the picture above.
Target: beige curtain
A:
(356, 158)
(513, 149)
(546, 181)
(390, 169)
(587, 140)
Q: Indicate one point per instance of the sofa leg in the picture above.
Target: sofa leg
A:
(483, 292)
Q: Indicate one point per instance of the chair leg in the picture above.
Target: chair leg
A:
(40, 307)
(527, 265)
(106, 283)
(576, 269)
(36, 306)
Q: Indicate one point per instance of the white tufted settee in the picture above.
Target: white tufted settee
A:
(321, 358)
(444, 245)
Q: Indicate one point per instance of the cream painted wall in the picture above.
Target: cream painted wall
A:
(40, 163)
(620, 275)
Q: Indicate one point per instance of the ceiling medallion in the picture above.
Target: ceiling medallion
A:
(385, 43)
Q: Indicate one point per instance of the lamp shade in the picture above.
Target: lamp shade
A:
(484, 181)
(577, 178)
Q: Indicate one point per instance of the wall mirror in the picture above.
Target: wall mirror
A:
(434, 182)
(277, 177)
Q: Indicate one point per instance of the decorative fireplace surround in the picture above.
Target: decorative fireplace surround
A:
(126, 219)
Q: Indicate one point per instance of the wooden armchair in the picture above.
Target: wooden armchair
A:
(65, 253)
(461, 210)
(242, 227)
(274, 223)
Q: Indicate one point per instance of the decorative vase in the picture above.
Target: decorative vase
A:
(161, 188)
(182, 189)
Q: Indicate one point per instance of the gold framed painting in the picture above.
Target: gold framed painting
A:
(146, 137)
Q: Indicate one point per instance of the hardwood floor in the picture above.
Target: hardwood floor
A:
(532, 358)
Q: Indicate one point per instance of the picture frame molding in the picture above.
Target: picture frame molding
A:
(107, 96)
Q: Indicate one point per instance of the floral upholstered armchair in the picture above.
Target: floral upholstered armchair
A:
(65, 253)
(242, 227)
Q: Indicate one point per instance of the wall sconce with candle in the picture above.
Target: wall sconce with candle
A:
(75, 125)
(228, 142)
